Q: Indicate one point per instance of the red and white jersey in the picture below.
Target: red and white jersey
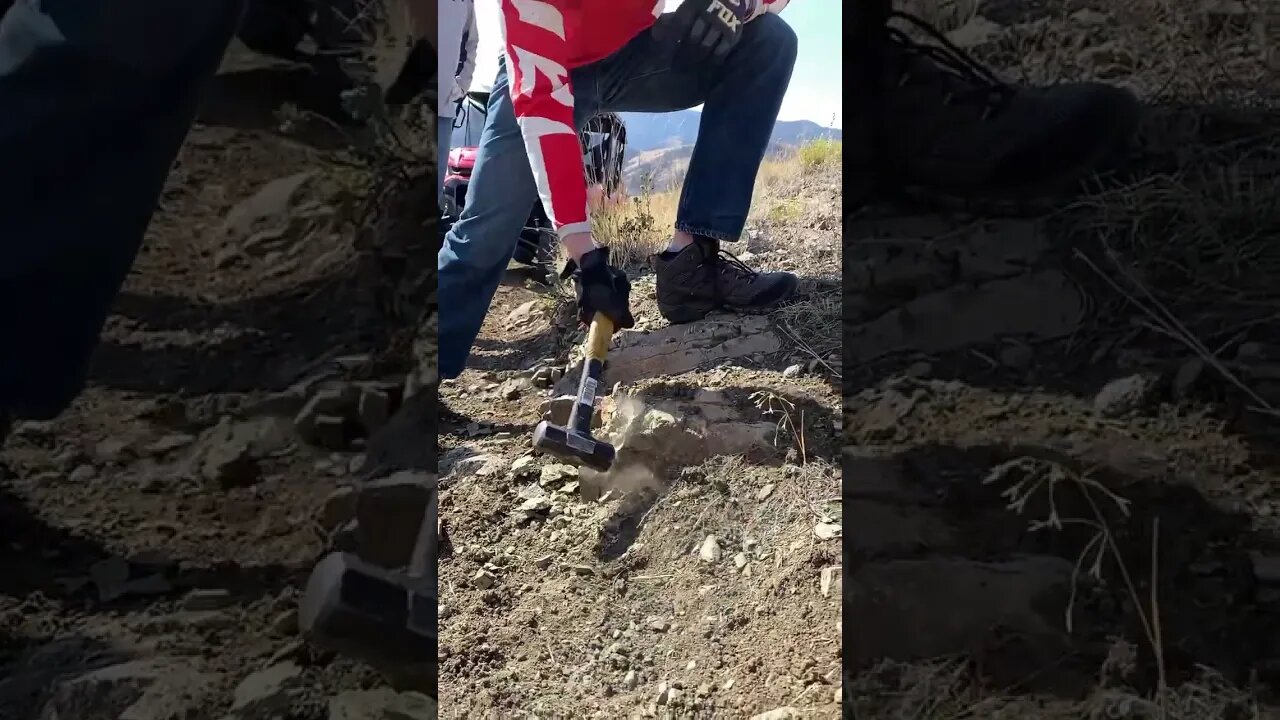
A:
(544, 40)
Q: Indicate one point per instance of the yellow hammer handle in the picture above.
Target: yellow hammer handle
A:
(599, 337)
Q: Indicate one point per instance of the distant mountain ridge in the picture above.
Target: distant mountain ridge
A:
(653, 132)
(659, 146)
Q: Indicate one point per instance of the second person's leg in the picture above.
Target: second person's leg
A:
(478, 248)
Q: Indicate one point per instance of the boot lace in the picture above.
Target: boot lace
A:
(727, 262)
(960, 77)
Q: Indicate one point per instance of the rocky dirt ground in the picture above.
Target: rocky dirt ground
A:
(153, 539)
(701, 577)
(1061, 485)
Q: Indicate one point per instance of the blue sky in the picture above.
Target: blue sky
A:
(816, 84)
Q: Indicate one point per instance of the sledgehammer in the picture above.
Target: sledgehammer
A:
(574, 441)
(385, 618)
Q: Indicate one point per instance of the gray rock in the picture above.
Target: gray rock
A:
(388, 515)
(266, 694)
(157, 689)
(330, 401)
(381, 704)
(211, 599)
(229, 453)
(374, 408)
(557, 410)
(1124, 396)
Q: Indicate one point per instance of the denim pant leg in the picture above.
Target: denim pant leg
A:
(91, 119)
(478, 248)
(741, 100)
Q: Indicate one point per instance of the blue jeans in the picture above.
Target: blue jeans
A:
(740, 106)
(95, 101)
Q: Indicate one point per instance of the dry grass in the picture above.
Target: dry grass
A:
(642, 226)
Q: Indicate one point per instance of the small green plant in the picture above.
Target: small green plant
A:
(824, 151)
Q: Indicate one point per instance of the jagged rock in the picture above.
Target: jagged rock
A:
(266, 694)
(381, 704)
(374, 408)
(268, 208)
(156, 689)
(679, 349)
(332, 401)
(1044, 305)
(229, 453)
(673, 433)
(1124, 396)
(557, 410)
(388, 515)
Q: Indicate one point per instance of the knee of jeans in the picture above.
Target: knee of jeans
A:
(779, 38)
(469, 263)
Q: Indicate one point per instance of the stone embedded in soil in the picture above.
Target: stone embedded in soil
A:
(556, 474)
(557, 410)
(228, 453)
(827, 530)
(267, 208)
(381, 704)
(153, 689)
(169, 443)
(374, 408)
(329, 401)
(484, 579)
(1124, 396)
(678, 349)
(828, 579)
(388, 516)
(709, 551)
(1043, 305)
(211, 599)
(266, 694)
(792, 371)
(764, 492)
(524, 465)
(339, 508)
(330, 432)
(82, 474)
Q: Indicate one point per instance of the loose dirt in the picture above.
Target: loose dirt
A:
(154, 538)
(1060, 478)
(701, 577)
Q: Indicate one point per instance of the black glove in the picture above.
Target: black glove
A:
(705, 30)
(601, 288)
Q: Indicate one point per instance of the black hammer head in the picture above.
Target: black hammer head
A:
(565, 443)
(372, 614)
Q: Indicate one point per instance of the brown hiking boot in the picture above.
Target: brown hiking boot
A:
(940, 123)
(702, 278)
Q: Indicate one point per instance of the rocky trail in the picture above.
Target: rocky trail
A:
(701, 576)
(154, 538)
(1062, 421)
